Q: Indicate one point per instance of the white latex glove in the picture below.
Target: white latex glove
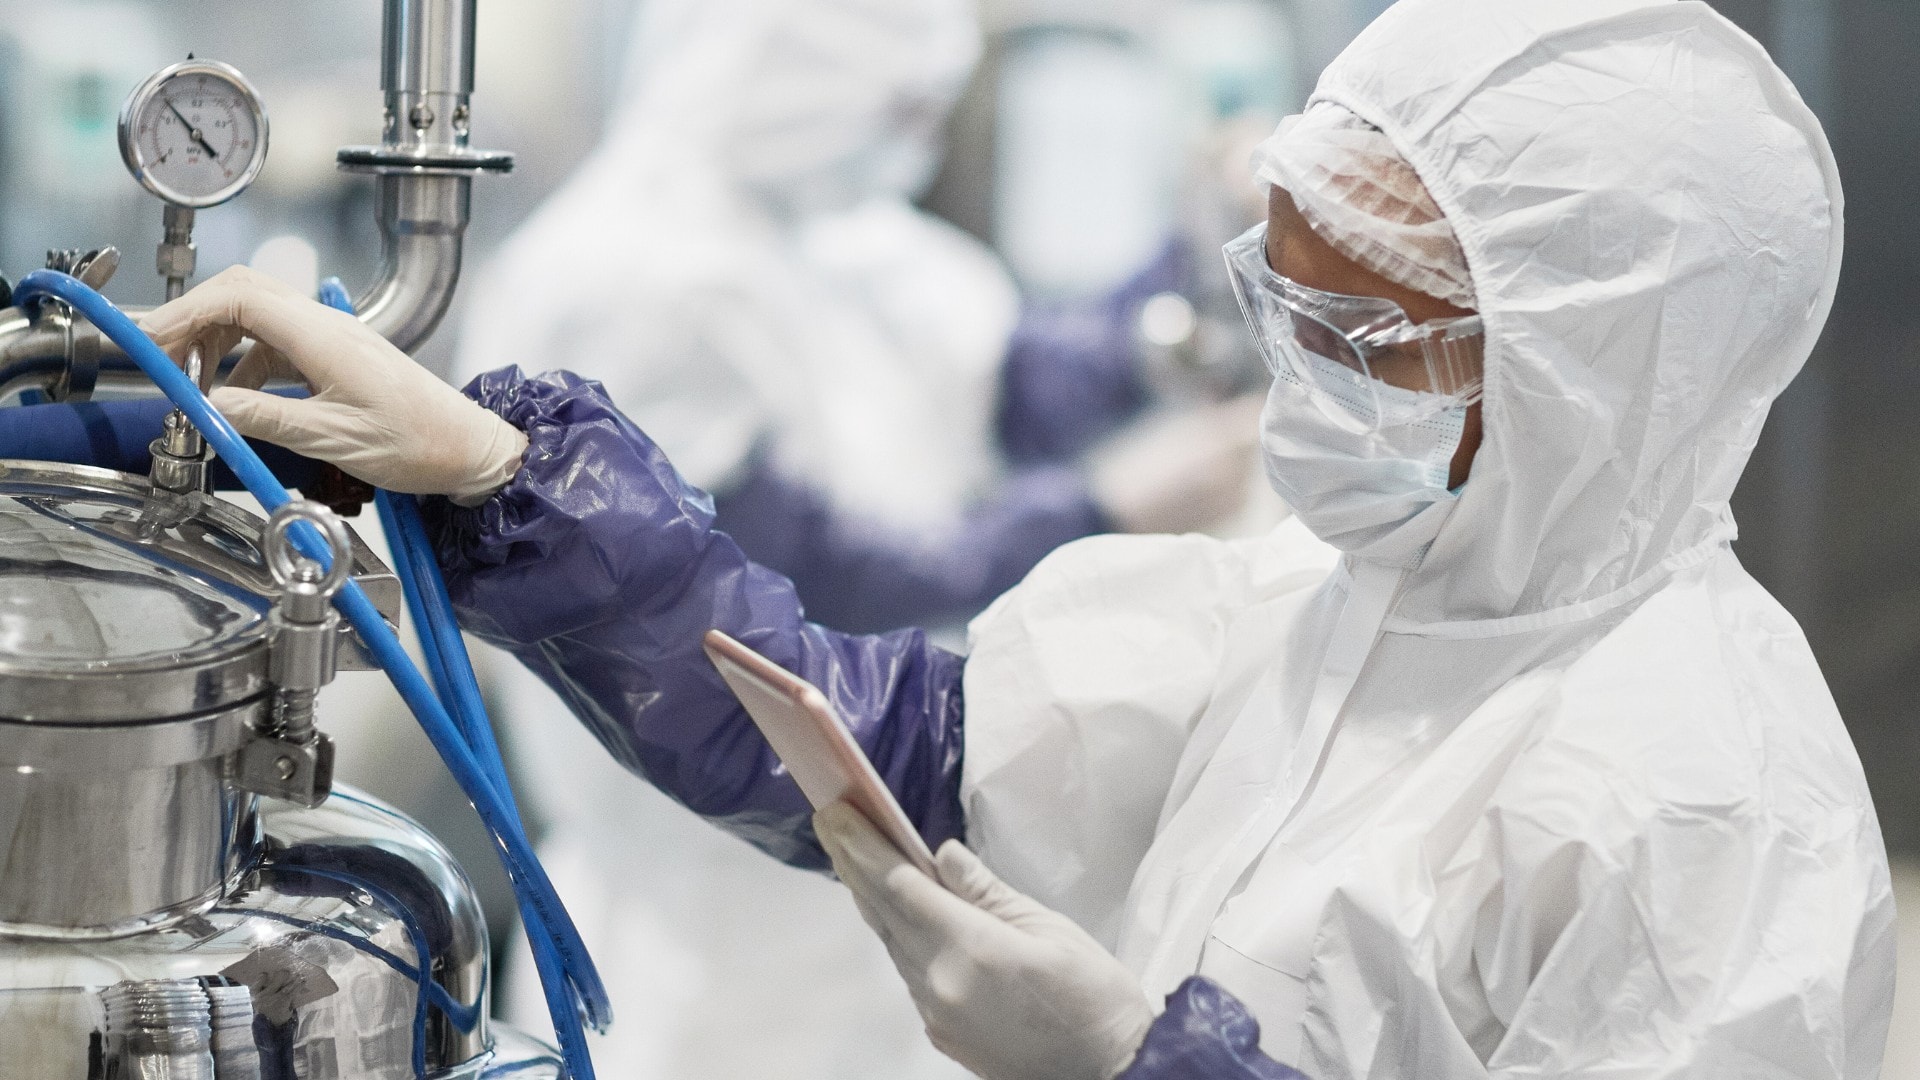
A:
(374, 412)
(1007, 987)
(1182, 472)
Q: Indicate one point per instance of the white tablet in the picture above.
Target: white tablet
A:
(813, 743)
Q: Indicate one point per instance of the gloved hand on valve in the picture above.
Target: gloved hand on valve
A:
(374, 412)
(1008, 988)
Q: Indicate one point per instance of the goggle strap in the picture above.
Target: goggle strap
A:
(1454, 365)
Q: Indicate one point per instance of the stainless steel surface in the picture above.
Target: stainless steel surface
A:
(427, 47)
(297, 771)
(29, 749)
(159, 1028)
(422, 222)
(156, 918)
(176, 258)
(426, 70)
(288, 566)
(118, 602)
(119, 608)
(305, 969)
(102, 845)
(75, 378)
(375, 843)
(97, 267)
(34, 355)
(182, 462)
(516, 1057)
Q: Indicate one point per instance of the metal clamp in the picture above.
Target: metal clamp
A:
(285, 756)
(79, 339)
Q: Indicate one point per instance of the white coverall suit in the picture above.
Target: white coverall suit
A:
(1570, 797)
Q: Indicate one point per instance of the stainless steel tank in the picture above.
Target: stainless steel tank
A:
(158, 919)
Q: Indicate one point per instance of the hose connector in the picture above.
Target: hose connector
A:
(182, 461)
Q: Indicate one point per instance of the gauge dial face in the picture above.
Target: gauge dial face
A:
(194, 133)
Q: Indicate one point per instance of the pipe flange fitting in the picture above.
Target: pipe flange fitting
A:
(440, 161)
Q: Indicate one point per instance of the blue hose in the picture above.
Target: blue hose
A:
(574, 990)
(452, 672)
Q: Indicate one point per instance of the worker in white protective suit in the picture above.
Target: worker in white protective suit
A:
(740, 265)
(1530, 779)
(1538, 782)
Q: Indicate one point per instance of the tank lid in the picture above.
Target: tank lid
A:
(121, 604)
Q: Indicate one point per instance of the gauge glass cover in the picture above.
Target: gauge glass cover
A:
(194, 133)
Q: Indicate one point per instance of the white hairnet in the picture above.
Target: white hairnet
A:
(1363, 198)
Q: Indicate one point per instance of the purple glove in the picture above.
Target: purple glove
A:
(1071, 375)
(599, 568)
(1205, 1034)
(854, 575)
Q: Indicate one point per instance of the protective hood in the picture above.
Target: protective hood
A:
(1653, 222)
(815, 102)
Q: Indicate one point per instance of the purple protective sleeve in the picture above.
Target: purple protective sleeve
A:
(600, 569)
(1071, 375)
(854, 574)
(1205, 1034)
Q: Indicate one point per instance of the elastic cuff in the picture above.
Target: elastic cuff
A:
(581, 456)
(1205, 1034)
(505, 456)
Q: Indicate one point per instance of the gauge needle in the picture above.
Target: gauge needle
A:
(192, 131)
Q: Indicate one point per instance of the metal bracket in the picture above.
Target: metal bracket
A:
(279, 767)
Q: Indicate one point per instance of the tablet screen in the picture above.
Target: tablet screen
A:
(813, 743)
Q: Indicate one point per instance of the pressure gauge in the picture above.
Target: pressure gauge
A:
(194, 133)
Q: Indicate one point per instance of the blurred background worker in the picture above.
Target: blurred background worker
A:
(855, 382)
(1091, 130)
(744, 264)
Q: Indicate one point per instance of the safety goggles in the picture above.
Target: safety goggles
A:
(1369, 364)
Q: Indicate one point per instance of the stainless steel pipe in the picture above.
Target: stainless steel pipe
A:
(425, 166)
(424, 169)
(426, 70)
(423, 222)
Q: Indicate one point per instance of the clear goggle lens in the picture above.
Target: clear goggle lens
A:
(1370, 364)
